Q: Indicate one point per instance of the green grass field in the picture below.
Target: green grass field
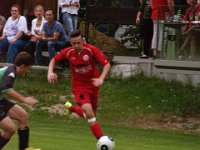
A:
(60, 134)
(121, 101)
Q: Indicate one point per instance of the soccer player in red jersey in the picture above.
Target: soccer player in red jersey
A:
(86, 78)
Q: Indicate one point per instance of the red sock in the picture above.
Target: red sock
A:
(77, 110)
(96, 130)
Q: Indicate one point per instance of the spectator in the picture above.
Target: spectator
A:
(192, 36)
(52, 36)
(159, 9)
(144, 18)
(13, 30)
(2, 23)
(36, 28)
(70, 14)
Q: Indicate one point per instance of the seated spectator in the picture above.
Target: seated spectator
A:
(2, 23)
(13, 30)
(36, 28)
(192, 36)
(53, 37)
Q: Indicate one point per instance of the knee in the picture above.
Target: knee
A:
(25, 115)
(24, 118)
(11, 129)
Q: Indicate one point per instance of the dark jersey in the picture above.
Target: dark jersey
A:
(7, 79)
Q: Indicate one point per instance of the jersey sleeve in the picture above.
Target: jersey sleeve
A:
(8, 79)
(99, 56)
(61, 56)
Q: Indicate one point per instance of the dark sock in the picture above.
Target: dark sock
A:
(23, 138)
(3, 141)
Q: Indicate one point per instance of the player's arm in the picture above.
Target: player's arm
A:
(51, 76)
(99, 81)
(19, 97)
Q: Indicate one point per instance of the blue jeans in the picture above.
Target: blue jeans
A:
(4, 45)
(70, 22)
(51, 47)
(13, 48)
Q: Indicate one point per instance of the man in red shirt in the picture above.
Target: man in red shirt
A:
(191, 14)
(86, 78)
(159, 10)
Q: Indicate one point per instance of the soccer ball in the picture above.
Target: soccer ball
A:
(105, 143)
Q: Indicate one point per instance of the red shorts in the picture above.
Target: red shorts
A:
(83, 98)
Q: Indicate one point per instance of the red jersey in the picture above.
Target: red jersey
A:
(83, 66)
(159, 7)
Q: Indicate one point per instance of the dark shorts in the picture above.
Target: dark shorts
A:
(5, 106)
(83, 98)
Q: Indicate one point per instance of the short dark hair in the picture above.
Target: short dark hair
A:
(49, 9)
(23, 58)
(75, 33)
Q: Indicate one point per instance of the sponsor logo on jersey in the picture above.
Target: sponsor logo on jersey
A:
(86, 57)
(83, 69)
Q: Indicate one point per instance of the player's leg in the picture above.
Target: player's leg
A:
(94, 125)
(76, 109)
(6, 123)
(19, 114)
(87, 110)
(8, 128)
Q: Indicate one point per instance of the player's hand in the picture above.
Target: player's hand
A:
(52, 77)
(31, 101)
(97, 82)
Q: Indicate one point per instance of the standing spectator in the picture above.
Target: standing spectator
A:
(52, 36)
(13, 30)
(2, 23)
(36, 28)
(86, 78)
(192, 36)
(70, 14)
(10, 110)
(144, 18)
(159, 9)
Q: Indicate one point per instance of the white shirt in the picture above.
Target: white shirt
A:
(34, 27)
(13, 26)
(70, 9)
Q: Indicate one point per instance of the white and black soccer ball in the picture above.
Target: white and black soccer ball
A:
(106, 143)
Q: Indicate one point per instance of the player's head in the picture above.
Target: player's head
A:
(23, 61)
(77, 40)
